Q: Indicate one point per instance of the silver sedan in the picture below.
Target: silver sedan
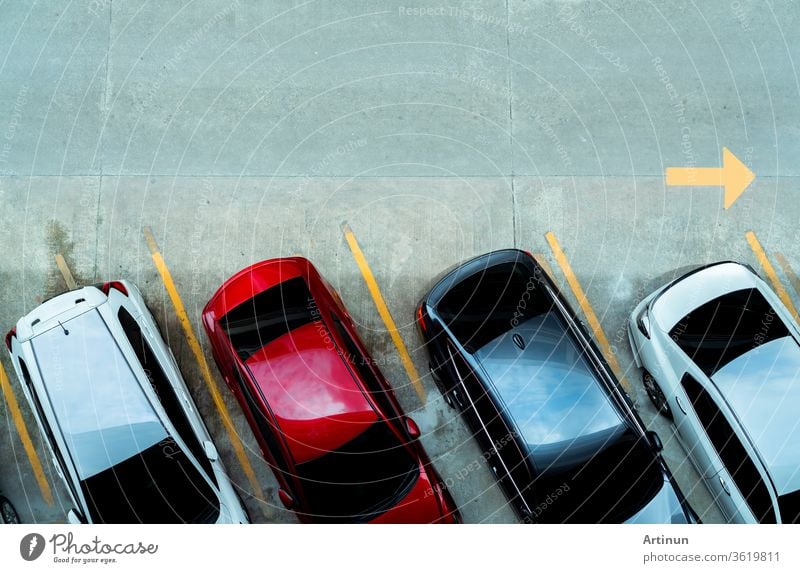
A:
(720, 355)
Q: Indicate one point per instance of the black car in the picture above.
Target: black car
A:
(557, 430)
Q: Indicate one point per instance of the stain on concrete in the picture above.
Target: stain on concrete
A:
(59, 242)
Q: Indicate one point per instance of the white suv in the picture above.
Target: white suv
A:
(109, 399)
(721, 358)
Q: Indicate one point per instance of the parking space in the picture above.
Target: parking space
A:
(386, 143)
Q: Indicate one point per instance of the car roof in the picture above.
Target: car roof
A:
(101, 409)
(685, 294)
(762, 387)
(549, 388)
(311, 391)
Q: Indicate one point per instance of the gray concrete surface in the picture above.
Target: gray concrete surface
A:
(240, 131)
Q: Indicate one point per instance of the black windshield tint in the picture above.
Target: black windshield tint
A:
(158, 485)
(789, 505)
(616, 482)
(269, 315)
(727, 327)
(360, 480)
(485, 305)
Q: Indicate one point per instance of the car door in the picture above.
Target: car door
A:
(173, 398)
(690, 429)
(707, 432)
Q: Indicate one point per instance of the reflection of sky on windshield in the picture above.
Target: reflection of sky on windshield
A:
(94, 394)
(763, 387)
(549, 389)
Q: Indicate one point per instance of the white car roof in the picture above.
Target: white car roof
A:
(685, 295)
(101, 408)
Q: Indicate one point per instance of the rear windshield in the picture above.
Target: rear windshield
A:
(727, 327)
(360, 480)
(485, 305)
(269, 315)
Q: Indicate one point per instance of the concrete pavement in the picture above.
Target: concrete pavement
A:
(239, 131)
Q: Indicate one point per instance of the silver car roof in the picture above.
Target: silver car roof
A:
(762, 387)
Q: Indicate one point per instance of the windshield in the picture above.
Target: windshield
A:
(158, 485)
(489, 303)
(611, 476)
(727, 327)
(268, 315)
(789, 505)
(360, 480)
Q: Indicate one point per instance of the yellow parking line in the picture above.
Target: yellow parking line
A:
(542, 261)
(767, 267)
(212, 385)
(788, 271)
(588, 311)
(65, 272)
(383, 310)
(24, 436)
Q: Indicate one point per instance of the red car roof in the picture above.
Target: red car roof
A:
(311, 392)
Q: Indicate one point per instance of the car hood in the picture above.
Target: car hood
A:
(665, 507)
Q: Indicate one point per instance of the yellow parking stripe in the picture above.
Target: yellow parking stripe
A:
(212, 385)
(788, 271)
(542, 261)
(588, 311)
(383, 310)
(24, 436)
(65, 272)
(769, 270)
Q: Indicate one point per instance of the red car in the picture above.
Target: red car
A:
(325, 418)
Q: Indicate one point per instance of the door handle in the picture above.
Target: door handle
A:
(680, 404)
(724, 485)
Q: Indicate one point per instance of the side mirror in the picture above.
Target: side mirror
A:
(654, 440)
(211, 450)
(643, 323)
(412, 429)
(286, 499)
(74, 518)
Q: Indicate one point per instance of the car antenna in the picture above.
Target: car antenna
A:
(66, 332)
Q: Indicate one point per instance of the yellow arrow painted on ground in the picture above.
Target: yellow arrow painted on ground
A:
(734, 176)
